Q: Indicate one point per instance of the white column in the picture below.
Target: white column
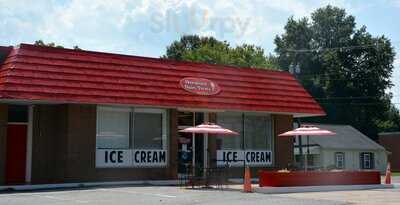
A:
(194, 145)
(205, 142)
(28, 168)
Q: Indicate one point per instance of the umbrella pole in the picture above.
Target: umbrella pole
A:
(308, 152)
(301, 151)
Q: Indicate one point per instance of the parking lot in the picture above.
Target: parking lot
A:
(177, 195)
(151, 195)
(231, 195)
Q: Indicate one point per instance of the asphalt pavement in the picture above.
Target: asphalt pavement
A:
(152, 195)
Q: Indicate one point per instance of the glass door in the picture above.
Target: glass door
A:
(190, 146)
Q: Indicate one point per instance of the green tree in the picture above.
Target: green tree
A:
(52, 44)
(344, 67)
(210, 50)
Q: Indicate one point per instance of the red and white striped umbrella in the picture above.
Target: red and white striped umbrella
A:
(307, 130)
(209, 128)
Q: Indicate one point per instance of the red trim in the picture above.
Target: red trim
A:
(65, 75)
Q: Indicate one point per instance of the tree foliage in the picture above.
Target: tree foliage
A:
(344, 67)
(210, 50)
(52, 44)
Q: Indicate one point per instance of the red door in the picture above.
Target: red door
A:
(16, 153)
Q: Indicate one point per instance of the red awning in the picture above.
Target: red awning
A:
(36, 73)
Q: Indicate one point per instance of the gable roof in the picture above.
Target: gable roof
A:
(46, 74)
(347, 137)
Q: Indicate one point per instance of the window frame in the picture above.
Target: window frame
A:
(242, 115)
(164, 135)
(337, 154)
(131, 124)
(116, 109)
(269, 132)
(370, 160)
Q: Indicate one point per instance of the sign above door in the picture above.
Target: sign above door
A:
(200, 86)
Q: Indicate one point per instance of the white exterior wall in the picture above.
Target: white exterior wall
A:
(352, 159)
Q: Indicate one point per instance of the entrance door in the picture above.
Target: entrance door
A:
(16, 153)
(190, 146)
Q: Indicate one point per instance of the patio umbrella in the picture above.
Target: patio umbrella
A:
(209, 128)
(307, 130)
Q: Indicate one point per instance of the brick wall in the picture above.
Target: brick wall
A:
(3, 141)
(48, 143)
(391, 142)
(283, 145)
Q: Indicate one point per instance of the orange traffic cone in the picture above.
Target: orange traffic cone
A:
(247, 180)
(388, 177)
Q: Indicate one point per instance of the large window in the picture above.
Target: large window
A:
(148, 129)
(232, 121)
(131, 128)
(113, 128)
(257, 131)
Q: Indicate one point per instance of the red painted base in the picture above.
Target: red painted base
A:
(317, 178)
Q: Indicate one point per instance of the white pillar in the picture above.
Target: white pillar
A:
(28, 167)
(205, 142)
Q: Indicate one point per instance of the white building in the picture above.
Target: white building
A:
(349, 149)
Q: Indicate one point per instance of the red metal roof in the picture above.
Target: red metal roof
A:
(36, 73)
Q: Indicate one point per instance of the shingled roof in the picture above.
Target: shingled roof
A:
(347, 137)
(34, 73)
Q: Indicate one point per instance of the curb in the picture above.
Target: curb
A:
(303, 189)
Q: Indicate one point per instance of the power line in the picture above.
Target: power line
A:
(348, 98)
(356, 103)
(305, 50)
(343, 48)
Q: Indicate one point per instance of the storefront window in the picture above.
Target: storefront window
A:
(257, 131)
(136, 128)
(113, 128)
(148, 133)
(232, 121)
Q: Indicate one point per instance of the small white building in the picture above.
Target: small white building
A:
(349, 149)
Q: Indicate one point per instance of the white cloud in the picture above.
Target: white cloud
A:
(146, 27)
(135, 26)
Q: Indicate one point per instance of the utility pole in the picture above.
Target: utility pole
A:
(295, 71)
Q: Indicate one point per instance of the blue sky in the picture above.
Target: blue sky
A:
(146, 27)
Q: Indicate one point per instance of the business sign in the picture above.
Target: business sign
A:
(107, 158)
(237, 157)
(200, 86)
